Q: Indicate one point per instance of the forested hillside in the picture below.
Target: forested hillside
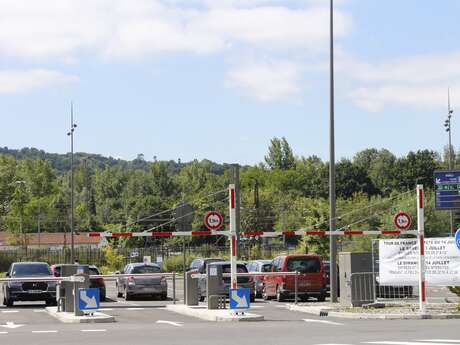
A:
(283, 192)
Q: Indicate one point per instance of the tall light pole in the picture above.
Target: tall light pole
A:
(448, 126)
(70, 133)
(332, 201)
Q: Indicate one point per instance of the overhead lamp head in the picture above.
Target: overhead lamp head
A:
(451, 111)
(447, 129)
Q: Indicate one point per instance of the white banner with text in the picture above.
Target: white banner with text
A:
(398, 262)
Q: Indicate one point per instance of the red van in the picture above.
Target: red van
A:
(311, 280)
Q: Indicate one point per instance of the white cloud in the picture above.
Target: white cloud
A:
(14, 81)
(413, 81)
(267, 81)
(67, 29)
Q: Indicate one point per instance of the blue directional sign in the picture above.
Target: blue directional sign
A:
(457, 239)
(88, 299)
(447, 189)
(240, 298)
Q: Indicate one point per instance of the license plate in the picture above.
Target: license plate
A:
(35, 291)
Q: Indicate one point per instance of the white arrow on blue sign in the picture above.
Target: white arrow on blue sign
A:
(457, 239)
(240, 298)
(88, 299)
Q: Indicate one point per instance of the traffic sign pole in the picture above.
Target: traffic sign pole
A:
(233, 253)
(421, 238)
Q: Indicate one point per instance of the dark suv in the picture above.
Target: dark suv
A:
(30, 290)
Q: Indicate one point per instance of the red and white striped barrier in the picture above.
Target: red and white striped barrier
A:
(254, 233)
(421, 238)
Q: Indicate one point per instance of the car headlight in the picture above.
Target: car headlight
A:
(52, 285)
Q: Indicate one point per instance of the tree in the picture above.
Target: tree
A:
(280, 155)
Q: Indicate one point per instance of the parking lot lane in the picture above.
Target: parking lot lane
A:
(26, 316)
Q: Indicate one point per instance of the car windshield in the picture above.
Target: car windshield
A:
(304, 265)
(267, 268)
(31, 270)
(239, 269)
(145, 269)
(93, 271)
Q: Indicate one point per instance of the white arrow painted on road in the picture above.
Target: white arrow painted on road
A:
(324, 321)
(172, 323)
(91, 303)
(241, 302)
(11, 325)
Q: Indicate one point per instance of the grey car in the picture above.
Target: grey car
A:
(259, 266)
(155, 286)
(30, 290)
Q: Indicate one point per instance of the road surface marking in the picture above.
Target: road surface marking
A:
(93, 330)
(52, 331)
(105, 309)
(177, 324)
(257, 306)
(39, 311)
(10, 311)
(404, 343)
(324, 321)
(441, 340)
(11, 325)
(134, 308)
(3, 332)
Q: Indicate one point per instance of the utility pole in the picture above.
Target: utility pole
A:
(236, 181)
(448, 125)
(332, 201)
(70, 133)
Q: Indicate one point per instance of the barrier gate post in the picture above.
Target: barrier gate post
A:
(421, 240)
(233, 254)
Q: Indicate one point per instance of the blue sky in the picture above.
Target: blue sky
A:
(217, 79)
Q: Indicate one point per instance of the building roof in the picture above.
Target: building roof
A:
(47, 239)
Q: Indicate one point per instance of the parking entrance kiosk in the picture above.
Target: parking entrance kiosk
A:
(215, 287)
(78, 278)
(190, 289)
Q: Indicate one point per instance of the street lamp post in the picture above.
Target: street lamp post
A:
(448, 126)
(332, 197)
(70, 133)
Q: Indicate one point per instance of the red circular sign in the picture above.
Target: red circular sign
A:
(402, 220)
(213, 220)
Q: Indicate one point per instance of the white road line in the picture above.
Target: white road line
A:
(39, 311)
(177, 324)
(3, 332)
(134, 308)
(257, 306)
(325, 322)
(10, 311)
(441, 340)
(93, 330)
(51, 331)
(105, 309)
(404, 343)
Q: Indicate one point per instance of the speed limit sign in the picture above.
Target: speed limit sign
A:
(213, 220)
(402, 221)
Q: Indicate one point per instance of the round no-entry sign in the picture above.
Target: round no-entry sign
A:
(402, 220)
(213, 220)
(457, 239)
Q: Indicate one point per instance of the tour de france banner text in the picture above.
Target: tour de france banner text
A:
(398, 262)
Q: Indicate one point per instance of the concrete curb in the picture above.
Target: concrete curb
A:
(97, 317)
(218, 315)
(327, 311)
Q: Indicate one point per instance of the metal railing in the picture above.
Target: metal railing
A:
(261, 274)
(74, 278)
(365, 288)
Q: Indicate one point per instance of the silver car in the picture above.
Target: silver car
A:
(155, 286)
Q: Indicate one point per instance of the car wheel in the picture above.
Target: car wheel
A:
(164, 296)
(51, 302)
(8, 302)
(264, 295)
(279, 294)
(252, 298)
(321, 298)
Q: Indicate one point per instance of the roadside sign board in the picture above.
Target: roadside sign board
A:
(88, 299)
(457, 239)
(240, 298)
(447, 189)
(133, 254)
(402, 221)
(213, 220)
(147, 260)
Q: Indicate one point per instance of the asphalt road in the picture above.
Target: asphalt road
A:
(148, 322)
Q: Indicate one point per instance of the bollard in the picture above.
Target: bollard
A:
(174, 287)
(295, 287)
